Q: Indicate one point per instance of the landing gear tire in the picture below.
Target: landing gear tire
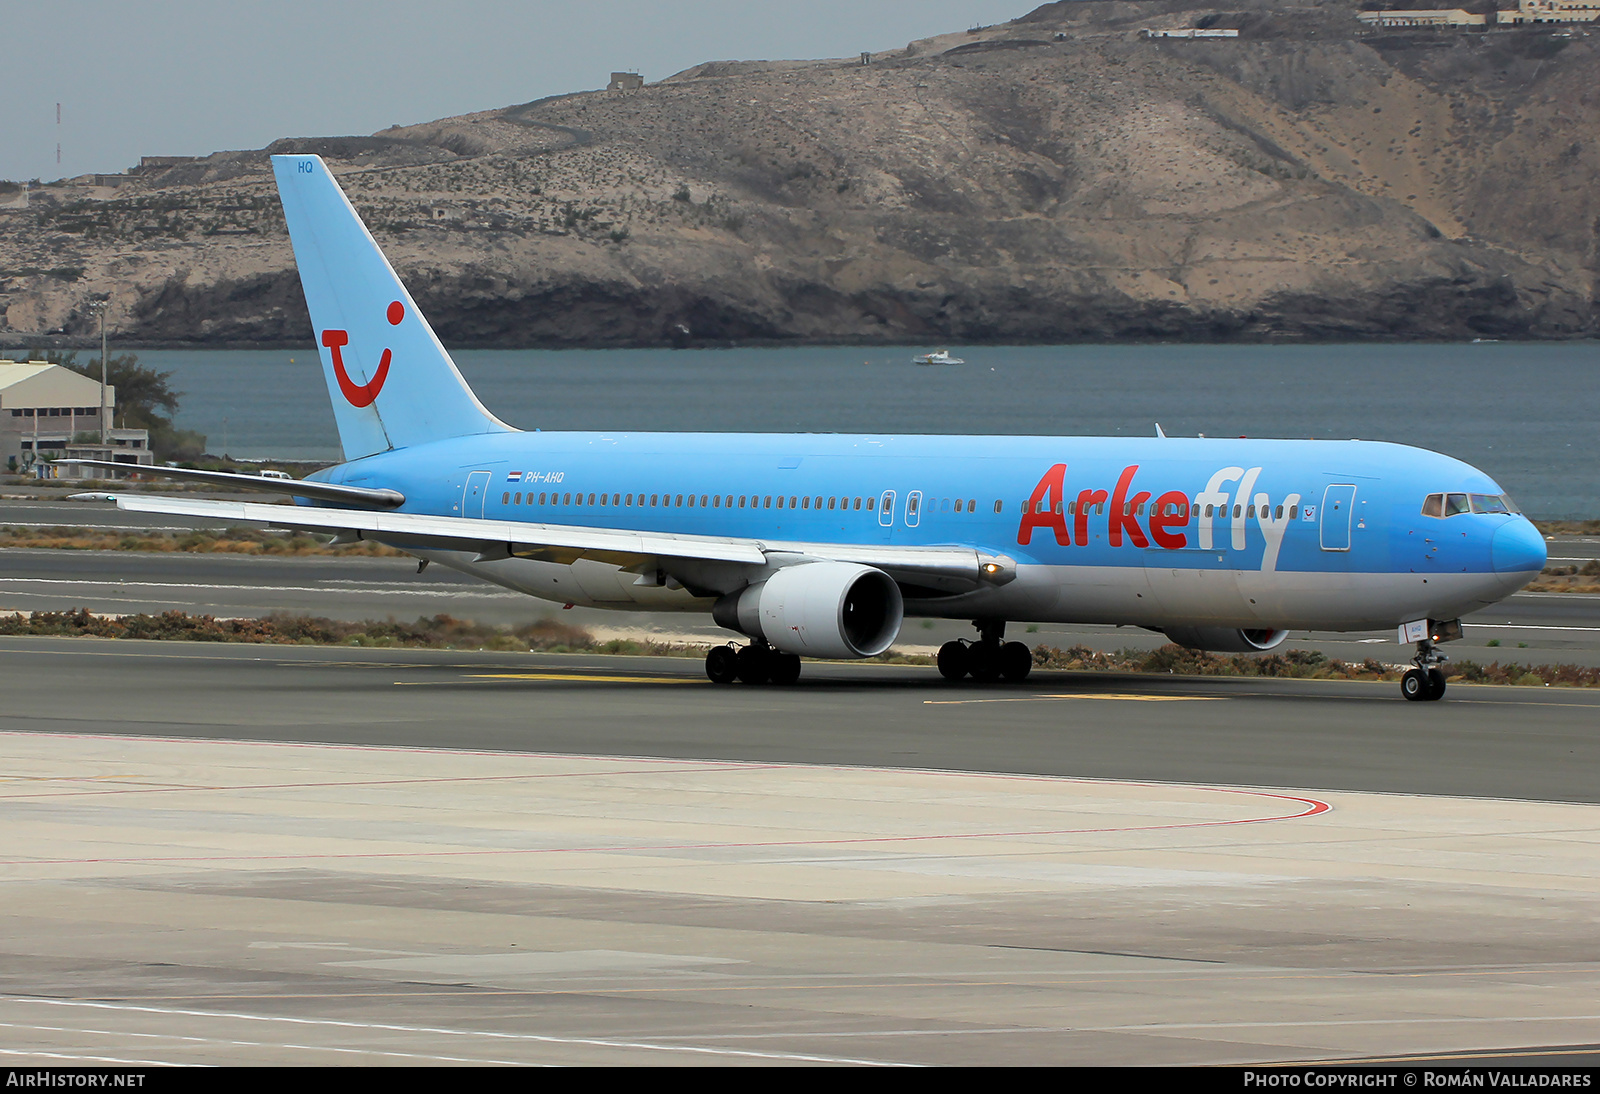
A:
(983, 662)
(1015, 662)
(722, 665)
(1415, 686)
(783, 668)
(754, 665)
(953, 661)
(1423, 686)
(1435, 684)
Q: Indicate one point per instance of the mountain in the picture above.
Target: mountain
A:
(1059, 177)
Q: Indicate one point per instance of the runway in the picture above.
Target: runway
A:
(238, 854)
(274, 855)
(1532, 743)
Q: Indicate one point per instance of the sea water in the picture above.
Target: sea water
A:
(1528, 414)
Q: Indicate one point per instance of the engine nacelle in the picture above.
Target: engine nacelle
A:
(820, 609)
(1226, 639)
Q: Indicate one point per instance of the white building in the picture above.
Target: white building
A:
(50, 413)
(1424, 17)
(1190, 32)
(1551, 11)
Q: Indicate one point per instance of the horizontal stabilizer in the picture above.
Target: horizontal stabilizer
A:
(299, 488)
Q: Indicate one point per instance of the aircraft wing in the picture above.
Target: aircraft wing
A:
(946, 568)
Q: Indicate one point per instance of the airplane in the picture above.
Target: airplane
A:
(821, 545)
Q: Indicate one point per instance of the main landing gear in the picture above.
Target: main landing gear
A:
(987, 659)
(1425, 683)
(757, 663)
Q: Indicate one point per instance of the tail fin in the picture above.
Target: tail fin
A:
(391, 382)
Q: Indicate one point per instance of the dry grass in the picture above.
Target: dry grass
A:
(1299, 664)
(1567, 579)
(549, 636)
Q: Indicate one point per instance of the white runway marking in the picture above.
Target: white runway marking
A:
(491, 1035)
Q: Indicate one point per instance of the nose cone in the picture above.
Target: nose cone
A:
(1518, 548)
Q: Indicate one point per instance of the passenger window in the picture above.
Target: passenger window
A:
(767, 502)
(741, 501)
(805, 503)
(1294, 512)
(1455, 505)
(653, 499)
(997, 505)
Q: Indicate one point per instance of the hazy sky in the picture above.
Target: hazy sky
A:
(188, 77)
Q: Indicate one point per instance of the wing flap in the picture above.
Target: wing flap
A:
(461, 533)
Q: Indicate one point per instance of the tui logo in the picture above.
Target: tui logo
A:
(361, 394)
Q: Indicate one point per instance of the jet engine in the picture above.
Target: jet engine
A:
(820, 609)
(1226, 639)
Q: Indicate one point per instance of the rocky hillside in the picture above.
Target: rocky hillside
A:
(1060, 177)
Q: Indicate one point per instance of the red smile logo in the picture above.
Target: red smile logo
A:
(361, 394)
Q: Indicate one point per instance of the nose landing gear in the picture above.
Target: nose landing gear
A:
(1425, 683)
(987, 659)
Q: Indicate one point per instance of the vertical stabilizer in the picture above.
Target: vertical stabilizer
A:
(391, 381)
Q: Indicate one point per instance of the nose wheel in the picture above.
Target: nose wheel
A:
(1424, 683)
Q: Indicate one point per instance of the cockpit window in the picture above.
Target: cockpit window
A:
(1452, 505)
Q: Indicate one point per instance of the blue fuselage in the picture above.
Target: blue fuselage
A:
(1283, 515)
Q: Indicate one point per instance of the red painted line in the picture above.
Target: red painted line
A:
(1314, 807)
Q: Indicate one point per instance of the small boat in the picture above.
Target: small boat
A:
(939, 357)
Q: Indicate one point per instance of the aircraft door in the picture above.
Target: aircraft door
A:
(475, 493)
(913, 508)
(886, 509)
(1338, 503)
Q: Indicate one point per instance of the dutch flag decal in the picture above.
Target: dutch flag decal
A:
(513, 476)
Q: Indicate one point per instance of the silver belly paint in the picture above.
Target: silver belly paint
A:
(1134, 595)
